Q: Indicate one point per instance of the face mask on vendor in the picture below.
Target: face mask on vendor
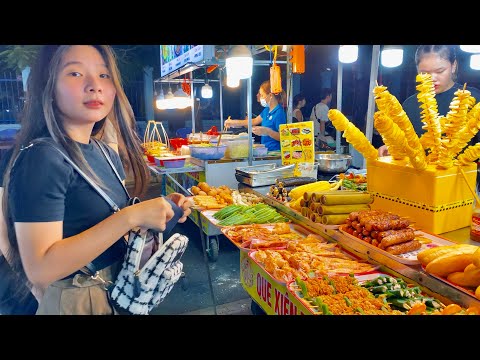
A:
(263, 102)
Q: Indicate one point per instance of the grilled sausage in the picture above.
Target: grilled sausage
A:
(386, 224)
(398, 237)
(403, 248)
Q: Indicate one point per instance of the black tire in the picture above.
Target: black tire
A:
(213, 248)
(256, 309)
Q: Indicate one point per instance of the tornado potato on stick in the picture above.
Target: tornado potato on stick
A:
(455, 120)
(353, 135)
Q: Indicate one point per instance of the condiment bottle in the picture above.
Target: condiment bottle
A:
(475, 226)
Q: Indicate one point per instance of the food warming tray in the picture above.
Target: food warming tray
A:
(262, 175)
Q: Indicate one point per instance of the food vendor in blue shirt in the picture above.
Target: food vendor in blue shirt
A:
(270, 118)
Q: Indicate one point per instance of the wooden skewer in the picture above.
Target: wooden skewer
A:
(474, 193)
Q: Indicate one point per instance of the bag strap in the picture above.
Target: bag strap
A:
(105, 153)
(97, 188)
(90, 268)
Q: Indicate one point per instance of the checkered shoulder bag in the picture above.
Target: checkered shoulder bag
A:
(150, 267)
(138, 289)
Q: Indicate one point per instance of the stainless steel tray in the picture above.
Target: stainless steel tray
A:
(255, 181)
(262, 175)
(265, 170)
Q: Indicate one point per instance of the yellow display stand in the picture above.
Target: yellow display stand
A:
(435, 200)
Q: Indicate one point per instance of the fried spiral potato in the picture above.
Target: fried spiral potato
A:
(429, 114)
(390, 106)
(391, 134)
(470, 154)
(455, 121)
(353, 135)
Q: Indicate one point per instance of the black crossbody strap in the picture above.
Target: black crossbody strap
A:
(97, 188)
(105, 153)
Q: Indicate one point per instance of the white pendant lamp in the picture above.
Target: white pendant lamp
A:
(182, 100)
(160, 100)
(391, 56)
(475, 61)
(348, 53)
(239, 62)
(207, 91)
(470, 48)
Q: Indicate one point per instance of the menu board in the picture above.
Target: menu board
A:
(175, 56)
(297, 143)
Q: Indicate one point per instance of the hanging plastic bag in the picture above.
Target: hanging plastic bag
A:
(275, 79)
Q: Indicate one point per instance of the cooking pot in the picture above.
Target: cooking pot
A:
(333, 163)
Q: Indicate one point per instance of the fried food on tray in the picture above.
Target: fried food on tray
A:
(281, 228)
(342, 295)
(207, 202)
(301, 263)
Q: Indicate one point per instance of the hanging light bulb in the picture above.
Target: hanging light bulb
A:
(239, 62)
(392, 56)
(169, 101)
(232, 81)
(348, 53)
(470, 48)
(207, 91)
(182, 100)
(160, 100)
(475, 61)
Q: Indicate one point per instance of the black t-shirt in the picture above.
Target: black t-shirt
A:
(412, 106)
(45, 187)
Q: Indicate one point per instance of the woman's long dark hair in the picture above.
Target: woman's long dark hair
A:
(41, 118)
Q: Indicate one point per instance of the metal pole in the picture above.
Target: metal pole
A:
(249, 115)
(220, 94)
(192, 96)
(289, 87)
(339, 104)
(371, 99)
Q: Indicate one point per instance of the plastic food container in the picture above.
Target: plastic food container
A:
(174, 163)
(308, 169)
(177, 143)
(237, 149)
(208, 152)
(260, 151)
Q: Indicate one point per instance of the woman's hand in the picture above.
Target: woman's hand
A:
(383, 151)
(151, 214)
(261, 130)
(182, 202)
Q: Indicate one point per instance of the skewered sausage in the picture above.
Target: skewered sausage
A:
(397, 237)
(405, 247)
(386, 224)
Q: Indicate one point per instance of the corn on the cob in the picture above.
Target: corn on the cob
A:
(316, 186)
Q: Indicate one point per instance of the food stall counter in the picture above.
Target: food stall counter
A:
(415, 273)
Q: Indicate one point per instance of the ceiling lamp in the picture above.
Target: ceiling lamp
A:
(207, 91)
(475, 61)
(348, 53)
(470, 48)
(239, 62)
(391, 56)
(181, 99)
(160, 100)
(232, 81)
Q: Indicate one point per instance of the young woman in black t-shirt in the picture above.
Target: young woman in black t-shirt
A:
(441, 62)
(57, 223)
